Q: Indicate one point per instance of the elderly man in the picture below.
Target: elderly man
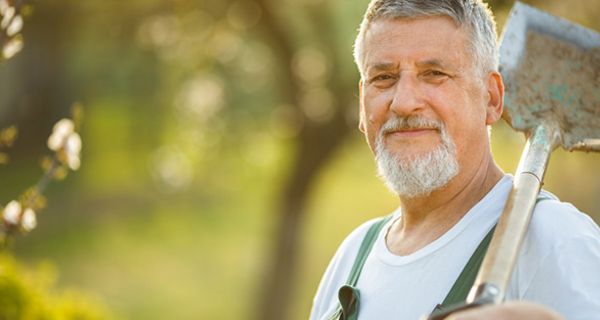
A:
(429, 89)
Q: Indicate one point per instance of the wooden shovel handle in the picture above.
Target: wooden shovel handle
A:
(499, 261)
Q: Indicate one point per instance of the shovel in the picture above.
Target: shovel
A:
(551, 68)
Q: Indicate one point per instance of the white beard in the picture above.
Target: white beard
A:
(413, 176)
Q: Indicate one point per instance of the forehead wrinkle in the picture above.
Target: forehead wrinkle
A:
(381, 35)
(427, 63)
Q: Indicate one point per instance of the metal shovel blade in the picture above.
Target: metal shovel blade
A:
(551, 68)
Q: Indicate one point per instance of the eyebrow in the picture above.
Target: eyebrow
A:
(390, 65)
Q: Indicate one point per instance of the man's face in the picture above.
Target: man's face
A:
(423, 68)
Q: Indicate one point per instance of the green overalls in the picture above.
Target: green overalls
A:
(349, 295)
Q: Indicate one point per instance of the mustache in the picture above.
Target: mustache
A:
(410, 122)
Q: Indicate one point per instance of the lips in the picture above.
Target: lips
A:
(411, 132)
(410, 127)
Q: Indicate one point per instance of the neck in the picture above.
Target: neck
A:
(426, 218)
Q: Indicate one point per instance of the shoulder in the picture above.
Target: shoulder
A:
(338, 271)
(559, 260)
(355, 238)
(556, 225)
(345, 255)
(558, 222)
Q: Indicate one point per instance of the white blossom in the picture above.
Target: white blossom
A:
(28, 222)
(11, 48)
(65, 140)
(12, 212)
(60, 133)
(15, 26)
(8, 13)
(72, 149)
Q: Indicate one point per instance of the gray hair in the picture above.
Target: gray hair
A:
(473, 15)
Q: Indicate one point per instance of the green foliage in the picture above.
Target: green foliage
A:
(7, 138)
(28, 295)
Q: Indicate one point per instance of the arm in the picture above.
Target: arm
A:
(508, 311)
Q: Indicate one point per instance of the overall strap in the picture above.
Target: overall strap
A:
(459, 291)
(465, 280)
(365, 249)
(348, 294)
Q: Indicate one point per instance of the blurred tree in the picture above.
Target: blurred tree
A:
(187, 90)
(42, 92)
(313, 81)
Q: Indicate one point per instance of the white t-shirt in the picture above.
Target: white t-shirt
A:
(559, 264)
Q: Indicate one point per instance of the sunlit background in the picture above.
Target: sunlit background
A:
(219, 148)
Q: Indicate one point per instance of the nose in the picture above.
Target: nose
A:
(408, 98)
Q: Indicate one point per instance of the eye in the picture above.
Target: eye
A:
(434, 76)
(435, 73)
(382, 77)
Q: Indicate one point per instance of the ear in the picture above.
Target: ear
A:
(495, 89)
(361, 110)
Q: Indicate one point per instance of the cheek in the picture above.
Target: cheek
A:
(372, 131)
(451, 105)
(376, 105)
(460, 105)
(375, 108)
(466, 126)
